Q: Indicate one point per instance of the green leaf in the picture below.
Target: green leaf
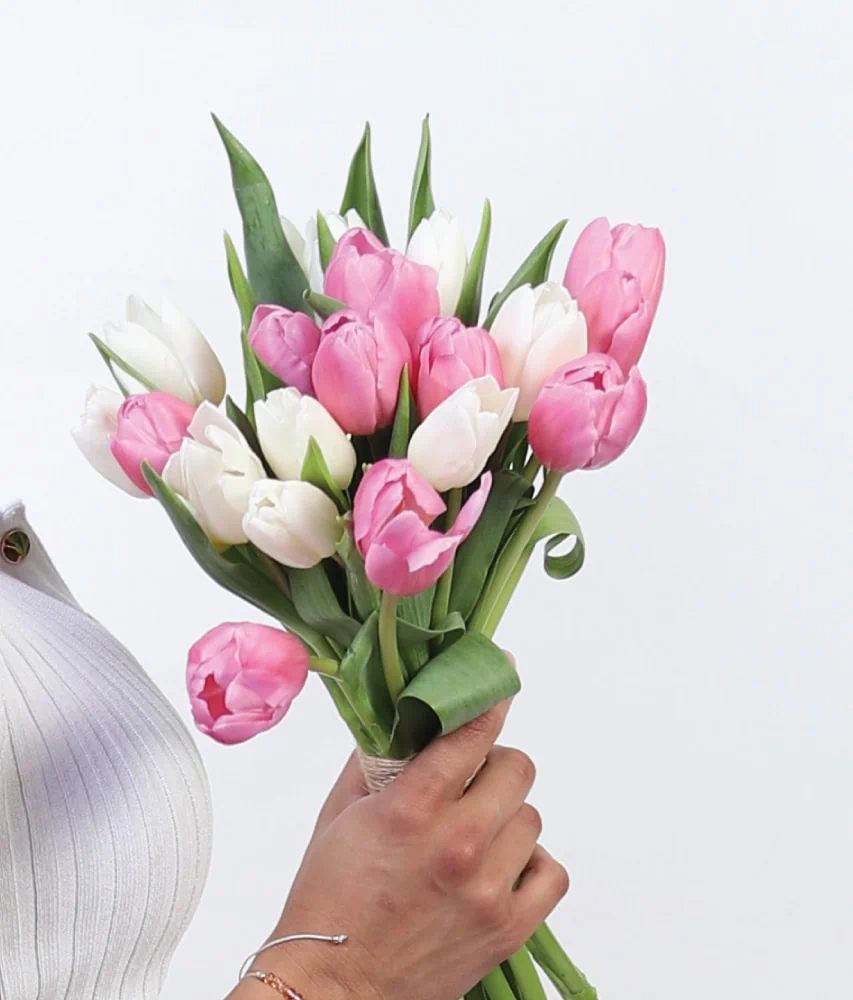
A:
(316, 471)
(275, 275)
(247, 429)
(533, 271)
(113, 361)
(362, 676)
(463, 681)
(405, 419)
(421, 203)
(323, 305)
(468, 307)
(234, 575)
(476, 554)
(316, 604)
(452, 625)
(325, 240)
(364, 595)
(417, 611)
(361, 192)
(559, 525)
(239, 284)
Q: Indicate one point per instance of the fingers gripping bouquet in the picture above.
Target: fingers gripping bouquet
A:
(394, 467)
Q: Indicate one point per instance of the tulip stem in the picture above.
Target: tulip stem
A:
(513, 553)
(325, 666)
(525, 975)
(441, 604)
(503, 599)
(570, 982)
(531, 470)
(392, 666)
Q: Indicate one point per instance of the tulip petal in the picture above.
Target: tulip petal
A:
(407, 557)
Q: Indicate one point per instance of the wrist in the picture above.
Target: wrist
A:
(304, 967)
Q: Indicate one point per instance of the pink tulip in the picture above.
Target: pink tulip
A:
(357, 370)
(286, 342)
(616, 275)
(149, 428)
(394, 508)
(242, 677)
(376, 281)
(450, 354)
(586, 414)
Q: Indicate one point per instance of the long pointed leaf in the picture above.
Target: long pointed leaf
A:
(470, 298)
(325, 240)
(405, 419)
(317, 605)
(533, 270)
(239, 283)
(421, 203)
(323, 305)
(362, 676)
(276, 276)
(361, 193)
(316, 471)
(113, 361)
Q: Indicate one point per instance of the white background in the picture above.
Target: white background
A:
(688, 696)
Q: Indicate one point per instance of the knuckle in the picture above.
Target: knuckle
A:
(532, 818)
(561, 880)
(521, 765)
(484, 725)
(460, 857)
(490, 906)
(405, 816)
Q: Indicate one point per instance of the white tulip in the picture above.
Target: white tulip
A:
(287, 421)
(295, 523)
(98, 425)
(168, 351)
(451, 447)
(306, 248)
(214, 471)
(438, 242)
(537, 330)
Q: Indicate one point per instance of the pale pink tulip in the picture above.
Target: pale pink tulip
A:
(586, 414)
(616, 275)
(376, 281)
(357, 370)
(394, 508)
(149, 428)
(449, 354)
(242, 677)
(286, 342)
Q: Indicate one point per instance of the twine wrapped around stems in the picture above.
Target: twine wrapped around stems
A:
(379, 772)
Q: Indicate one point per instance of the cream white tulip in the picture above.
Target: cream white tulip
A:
(287, 421)
(451, 447)
(97, 428)
(168, 351)
(215, 470)
(306, 248)
(295, 523)
(537, 330)
(439, 243)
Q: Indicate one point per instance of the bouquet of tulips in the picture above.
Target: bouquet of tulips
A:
(394, 466)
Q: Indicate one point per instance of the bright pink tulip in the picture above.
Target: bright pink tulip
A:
(616, 275)
(150, 428)
(450, 354)
(286, 342)
(586, 414)
(376, 281)
(394, 508)
(242, 677)
(357, 370)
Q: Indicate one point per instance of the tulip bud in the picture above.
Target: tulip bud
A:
(214, 471)
(537, 330)
(394, 508)
(286, 423)
(286, 342)
(242, 678)
(587, 414)
(357, 370)
(168, 351)
(438, 242)
(149, 428)
(295, 523)
(449, 355)
(98, 426)
(451, 447)
(306, 249)
(375, 281)
(617, 277)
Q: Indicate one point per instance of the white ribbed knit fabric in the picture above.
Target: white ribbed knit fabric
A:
(105, 823)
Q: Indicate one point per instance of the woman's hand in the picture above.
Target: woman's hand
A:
(434, 885)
